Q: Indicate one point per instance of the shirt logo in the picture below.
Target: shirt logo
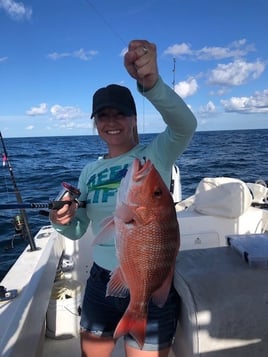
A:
(104, 185)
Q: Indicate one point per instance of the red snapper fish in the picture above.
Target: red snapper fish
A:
(147, 241)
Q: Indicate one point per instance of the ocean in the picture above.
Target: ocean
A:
(41, 164)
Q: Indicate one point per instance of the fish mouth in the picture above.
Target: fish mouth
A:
(135, 175)
(141, 170)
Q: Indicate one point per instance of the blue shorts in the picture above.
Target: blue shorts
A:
(100, 315)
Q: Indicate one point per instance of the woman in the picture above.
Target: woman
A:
(114, 113)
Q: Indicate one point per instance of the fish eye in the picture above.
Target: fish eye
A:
(158, 192)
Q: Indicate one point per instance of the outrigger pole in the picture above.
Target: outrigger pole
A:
(18, 197)
(174, 73)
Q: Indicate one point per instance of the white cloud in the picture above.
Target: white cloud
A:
(30, 127)
(186, 88)
(16, 10)
(65, 113)
(236, 49)
(80, 54)
(209, 108)
(235, 73)
(41, 109)
(64, 117)
(84, 55)
(257, 103)
(178, 50)
(55, 55)
(70, 125)
(3, 59)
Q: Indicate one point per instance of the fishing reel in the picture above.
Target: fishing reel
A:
(19, 231)
(19, 224)
(69, 191)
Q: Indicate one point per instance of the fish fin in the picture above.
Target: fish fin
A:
(136, 327)
(108, 226)
(106, 221)
(159, 297)
(117, 286)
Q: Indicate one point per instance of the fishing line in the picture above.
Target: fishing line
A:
(118, 35)
(143, 106)
(107, 23)
(5, 186)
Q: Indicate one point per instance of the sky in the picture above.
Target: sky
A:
(55, 54)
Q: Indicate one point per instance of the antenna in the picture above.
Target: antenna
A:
(174, 73)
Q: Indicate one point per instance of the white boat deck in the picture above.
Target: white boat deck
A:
(214, 304)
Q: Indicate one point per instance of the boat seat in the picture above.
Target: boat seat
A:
(224, 304)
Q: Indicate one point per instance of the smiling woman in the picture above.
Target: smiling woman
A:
(115, 117)
(114, 112)
(117, 130)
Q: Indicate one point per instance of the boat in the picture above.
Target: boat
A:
(222, 282)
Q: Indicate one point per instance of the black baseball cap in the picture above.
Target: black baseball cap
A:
(114, 96)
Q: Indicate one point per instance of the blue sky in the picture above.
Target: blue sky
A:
(54, 54)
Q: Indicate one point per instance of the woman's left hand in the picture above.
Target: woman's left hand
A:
(141, 62)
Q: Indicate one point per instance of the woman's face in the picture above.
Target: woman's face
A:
(116, 129)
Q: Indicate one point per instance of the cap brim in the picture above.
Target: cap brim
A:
(123, 109)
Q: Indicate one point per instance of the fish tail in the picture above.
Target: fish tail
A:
(136, 327)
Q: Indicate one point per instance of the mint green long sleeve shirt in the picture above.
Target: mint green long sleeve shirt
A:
(100, 180)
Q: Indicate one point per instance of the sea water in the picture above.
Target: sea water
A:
(41, 164)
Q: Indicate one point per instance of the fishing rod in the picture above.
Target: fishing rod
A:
(54, 205)
(18, 197)
(68, 191)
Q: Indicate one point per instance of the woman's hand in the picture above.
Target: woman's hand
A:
(141, 62)
(65, 214)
